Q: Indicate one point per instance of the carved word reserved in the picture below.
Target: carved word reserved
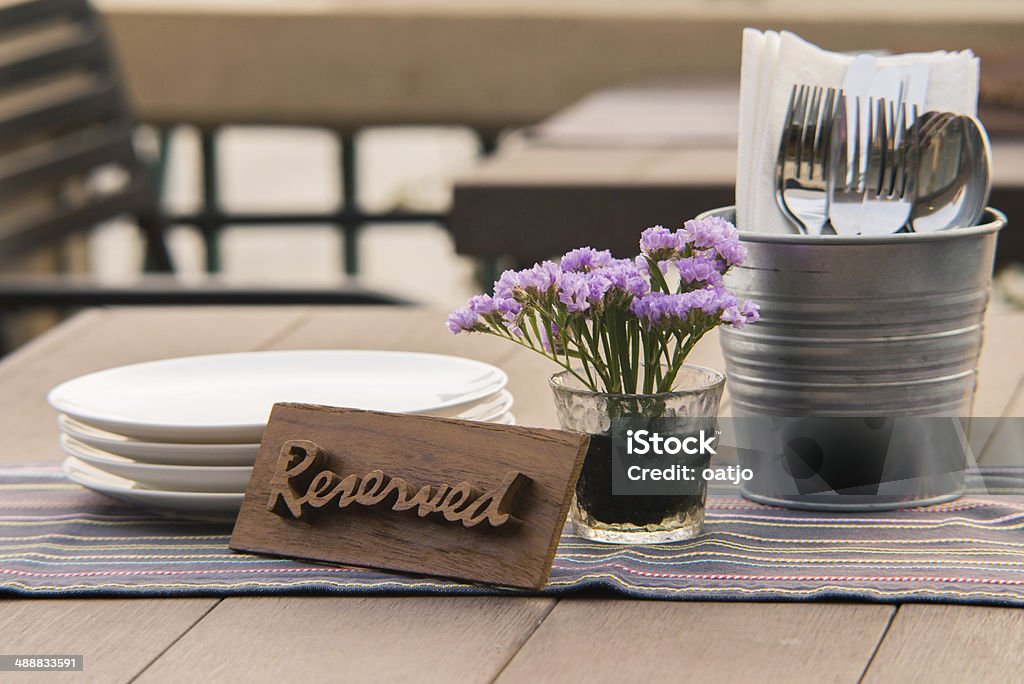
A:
(460, 503)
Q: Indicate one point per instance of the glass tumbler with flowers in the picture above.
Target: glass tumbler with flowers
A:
(622, 329)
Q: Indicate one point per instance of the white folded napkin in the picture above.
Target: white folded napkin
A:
(772, 64)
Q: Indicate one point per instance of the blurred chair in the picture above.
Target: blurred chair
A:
(64, 133)
(68, 162)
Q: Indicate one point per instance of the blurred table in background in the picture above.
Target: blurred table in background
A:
(490, 64)
(625, 158)
(495, 64)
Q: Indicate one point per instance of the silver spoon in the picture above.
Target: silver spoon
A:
(953, 174)
(981, 181)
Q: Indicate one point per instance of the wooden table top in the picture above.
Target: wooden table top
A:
(489, 63)
(624, 158)
(585, 639)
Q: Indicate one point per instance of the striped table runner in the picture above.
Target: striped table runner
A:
(58, 539)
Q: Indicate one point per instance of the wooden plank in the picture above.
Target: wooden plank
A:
(1000, 392)
(369, 327)
(1001, 439)
(600, 640)
(375, 639)
(542, 165)
(547, 166)
(341, 485)
(947, 643)
(656, 114)
(574, 48)
(708, 168)
(1000, 370)
(48, 343)
(666, 158)
(115, 638)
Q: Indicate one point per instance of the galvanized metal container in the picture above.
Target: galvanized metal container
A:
(880, 326)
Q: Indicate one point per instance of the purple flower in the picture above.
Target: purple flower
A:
(532, 282)
(462, 320)
(482, 311)
(493, 308)
(699, 268)
(660, 243)
(505, 287)
(740, 316)
(507, 307)
(574, 291)
(718, 235)
(597, 287)
(624, 277)
(589, 287)
(540, 279)
(585, 259)
(706, 233)
(645, 308)
(482, 305)
(656, 308)
(712, 300)
(659, 309)
(733, 253)
(644, 265)
(507, 311)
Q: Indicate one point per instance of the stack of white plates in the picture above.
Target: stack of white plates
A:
(180, 436)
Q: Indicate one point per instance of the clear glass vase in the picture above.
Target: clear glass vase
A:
(598, 514)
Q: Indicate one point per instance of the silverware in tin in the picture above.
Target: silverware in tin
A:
(891, 163)
(800, 170)
(953, 175)
(873, 166)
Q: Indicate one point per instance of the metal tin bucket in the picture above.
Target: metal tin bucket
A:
(881, 327)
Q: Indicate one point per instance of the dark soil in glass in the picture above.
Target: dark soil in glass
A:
(594, 492)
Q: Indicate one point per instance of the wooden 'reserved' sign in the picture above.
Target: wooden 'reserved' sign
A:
(467, 500)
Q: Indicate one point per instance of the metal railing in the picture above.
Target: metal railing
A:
(350, 220)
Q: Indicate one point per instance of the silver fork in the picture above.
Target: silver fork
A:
(891, 175)
(872, 181)
(846, 170)
(802, 164)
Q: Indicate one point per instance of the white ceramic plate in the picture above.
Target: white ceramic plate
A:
(171, 453)
(506, 419)
(171, 477)
(166, 453)
(226, 398)
(216, 507)
(485, 410)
